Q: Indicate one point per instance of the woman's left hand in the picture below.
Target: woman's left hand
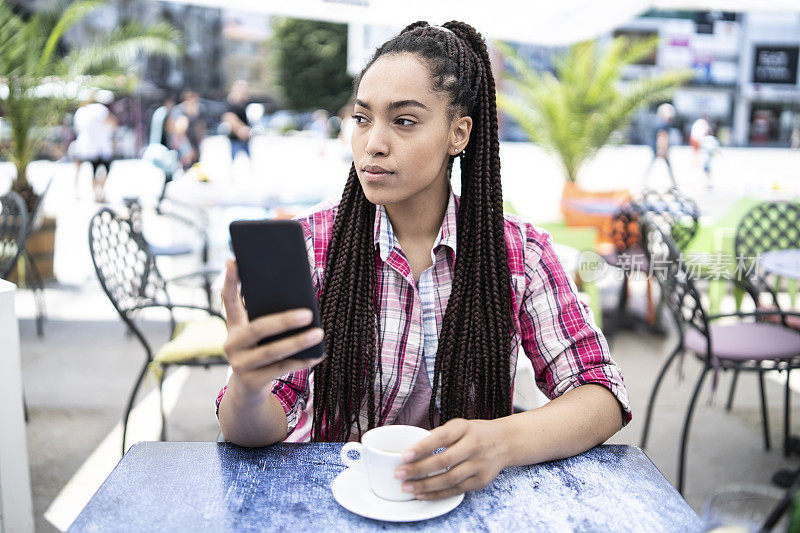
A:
(473, 459)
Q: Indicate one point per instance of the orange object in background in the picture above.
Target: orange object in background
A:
(590, 208)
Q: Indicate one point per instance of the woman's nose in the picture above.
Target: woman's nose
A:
(377, 141)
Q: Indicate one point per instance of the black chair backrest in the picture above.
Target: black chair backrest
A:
(675, 208)
(124, 264)
(13, 231)
(767, 226)
(672, 274)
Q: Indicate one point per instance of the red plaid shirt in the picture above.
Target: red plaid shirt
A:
(555, 330)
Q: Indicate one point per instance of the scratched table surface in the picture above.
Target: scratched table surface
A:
(209, 486)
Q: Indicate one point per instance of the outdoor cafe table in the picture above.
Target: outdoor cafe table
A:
(784, 263)
(209, 486)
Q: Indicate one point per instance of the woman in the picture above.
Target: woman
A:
(423, 291)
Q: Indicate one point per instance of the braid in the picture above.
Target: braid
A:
(349, 320)
(472, 374)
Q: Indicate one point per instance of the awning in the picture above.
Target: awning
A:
(544, 22)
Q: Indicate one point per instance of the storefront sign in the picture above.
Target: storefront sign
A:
(775, 64)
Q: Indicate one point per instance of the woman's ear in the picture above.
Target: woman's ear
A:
(460, 134)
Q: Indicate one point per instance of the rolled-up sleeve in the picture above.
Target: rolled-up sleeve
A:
(558, 332)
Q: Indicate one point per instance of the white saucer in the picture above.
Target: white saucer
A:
(351, 490)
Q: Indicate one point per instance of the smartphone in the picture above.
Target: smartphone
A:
(275, 275)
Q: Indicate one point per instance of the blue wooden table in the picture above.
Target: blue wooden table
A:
(208, 486)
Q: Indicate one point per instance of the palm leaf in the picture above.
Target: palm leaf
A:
(70, 14)
(576, 111)
(30, 55)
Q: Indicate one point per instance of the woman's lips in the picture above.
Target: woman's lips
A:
(375, 174)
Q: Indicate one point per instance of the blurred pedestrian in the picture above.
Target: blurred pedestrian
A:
(187, 128)
(665, 115)
(160, 122)
(235, 117)
(94, 126)
(660, 139)
(700, 128)
(709, 146)
(346, 130)
(319, 124)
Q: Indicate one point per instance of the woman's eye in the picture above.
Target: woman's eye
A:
(405, 122)
(358, 118)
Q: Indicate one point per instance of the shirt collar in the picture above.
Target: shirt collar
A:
(384, 235)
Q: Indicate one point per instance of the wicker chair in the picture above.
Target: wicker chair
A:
(741, 346)
(678, 211)
(13, 231)
(126, 269)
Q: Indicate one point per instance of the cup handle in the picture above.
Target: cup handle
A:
(352, 446)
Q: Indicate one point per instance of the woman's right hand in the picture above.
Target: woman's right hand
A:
(255, 367)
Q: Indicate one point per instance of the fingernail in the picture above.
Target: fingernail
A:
(407, 455)
(301, 317)
(407, 487)
(315, 335)
(401, 474)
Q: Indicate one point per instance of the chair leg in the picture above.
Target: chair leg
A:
(787, 412)
(617, 322)
(651, 308)
(653, 394)
(161, 404)
(764, 417)
(38, 293)
(130, 406)
(729, 405)
(685, 433)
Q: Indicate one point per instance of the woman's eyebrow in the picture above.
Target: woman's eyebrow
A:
(395, 105)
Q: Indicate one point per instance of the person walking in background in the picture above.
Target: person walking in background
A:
(160, 122)
(94, 126)
(235, 118)
(346, 130)
(709, 145)
(188, 128)
(794, 138)
(700, 128)
(665, 115)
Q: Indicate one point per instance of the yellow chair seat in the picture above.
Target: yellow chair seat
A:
(200, 338)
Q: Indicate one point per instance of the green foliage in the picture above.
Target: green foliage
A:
(575, 112)
(311, 60)
(30, 58)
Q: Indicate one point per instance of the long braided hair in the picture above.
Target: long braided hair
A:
(472, 375)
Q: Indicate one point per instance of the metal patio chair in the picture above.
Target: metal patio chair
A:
(13, 231)
(767, 226)
(679, 212)
(127, 271)
(745, 346)
(186, 217)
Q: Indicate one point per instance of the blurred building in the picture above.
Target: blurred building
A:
(745, 70)
(245, 42)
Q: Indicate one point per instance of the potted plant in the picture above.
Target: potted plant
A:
(574, 111)
(40, 79)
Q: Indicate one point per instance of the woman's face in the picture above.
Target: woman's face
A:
(403, 136)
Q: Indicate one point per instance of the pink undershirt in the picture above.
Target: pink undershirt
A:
(415, 410)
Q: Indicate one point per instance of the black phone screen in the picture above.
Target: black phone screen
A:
(274, 271)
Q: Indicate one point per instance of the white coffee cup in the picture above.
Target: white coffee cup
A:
(379, 455)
